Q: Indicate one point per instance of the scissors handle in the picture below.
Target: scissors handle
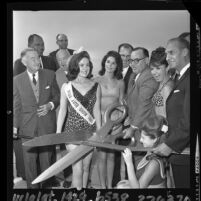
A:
(111, 108)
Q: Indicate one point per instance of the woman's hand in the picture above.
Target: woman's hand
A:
(127, 154)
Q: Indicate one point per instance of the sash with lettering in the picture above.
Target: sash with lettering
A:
(79, 108)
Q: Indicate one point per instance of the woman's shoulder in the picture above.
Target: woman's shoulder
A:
(169, 86)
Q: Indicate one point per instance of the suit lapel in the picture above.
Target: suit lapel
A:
(128, 73)
(27, 83)
(183, 77)
(41, 79)
(179, 81)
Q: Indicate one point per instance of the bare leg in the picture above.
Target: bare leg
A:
(86, 168)
(110, 169)
(102, 168)
(76, 169)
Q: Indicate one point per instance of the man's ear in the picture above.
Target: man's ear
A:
(185, 52)
(24, 61)
(147, 60)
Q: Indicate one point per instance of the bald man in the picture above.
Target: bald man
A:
(62, 42)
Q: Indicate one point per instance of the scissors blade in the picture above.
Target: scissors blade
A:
(64, 162)
(117, 147)
(58, 138)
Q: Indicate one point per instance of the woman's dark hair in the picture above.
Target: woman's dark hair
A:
(117, 57)
(73, 66)
(158, 57)
(153, 125)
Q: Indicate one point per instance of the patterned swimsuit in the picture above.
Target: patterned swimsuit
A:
(157, 98)
(74, 121)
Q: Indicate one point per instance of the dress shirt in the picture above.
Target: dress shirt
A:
(125, 71)
(36, 77)
(137, 77)
(183, 70)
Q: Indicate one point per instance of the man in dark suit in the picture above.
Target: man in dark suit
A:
(36, 97)
(125, 50)
(36, 42)
(62, 42)
(178, 113)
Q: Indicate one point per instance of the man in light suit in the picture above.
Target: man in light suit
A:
(36, 97)
(36, 42)
(62, 42)
(141, 89)
(178, 113)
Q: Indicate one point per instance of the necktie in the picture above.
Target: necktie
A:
(176, 78)
(34, 79)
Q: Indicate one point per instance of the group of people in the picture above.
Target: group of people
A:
(59, 93)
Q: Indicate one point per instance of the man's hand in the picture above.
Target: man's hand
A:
(129, 133)
(44, 109)
(162, 150)
(14, 132)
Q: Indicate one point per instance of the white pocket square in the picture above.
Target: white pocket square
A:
(175, 91)
(47, 87)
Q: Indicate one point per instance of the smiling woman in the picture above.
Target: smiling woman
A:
(159, 70)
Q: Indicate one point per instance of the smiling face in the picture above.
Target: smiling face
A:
(146, 140)
(159, 72)
(110, 65)
(140, 61)
(84, 67)
(175, 55)
(32, 61)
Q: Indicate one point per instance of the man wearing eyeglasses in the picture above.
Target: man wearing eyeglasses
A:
(141, 88)
(62, 42)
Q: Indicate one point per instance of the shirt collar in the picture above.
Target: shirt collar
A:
(125, 71)
(31, 75)
(184, 69)
(137, 77)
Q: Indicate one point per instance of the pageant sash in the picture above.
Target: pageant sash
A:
(79, 108)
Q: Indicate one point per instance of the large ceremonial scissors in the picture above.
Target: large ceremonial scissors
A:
(86, 142)
(84, 148)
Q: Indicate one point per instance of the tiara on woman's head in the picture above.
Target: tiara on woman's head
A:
(81, 49)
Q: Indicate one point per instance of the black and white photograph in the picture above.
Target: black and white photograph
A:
(103, 106)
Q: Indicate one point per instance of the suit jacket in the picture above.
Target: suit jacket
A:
(25, 104)
(139, 97)
(53, 56)
(178, 114)
(127, 78)
(48, 63)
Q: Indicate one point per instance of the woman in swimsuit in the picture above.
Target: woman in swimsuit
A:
(86, 94)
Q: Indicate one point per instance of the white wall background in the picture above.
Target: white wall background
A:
(99, 31)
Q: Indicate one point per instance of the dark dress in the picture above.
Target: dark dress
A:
(74, 121)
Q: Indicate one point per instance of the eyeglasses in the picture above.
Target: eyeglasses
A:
(136, 61)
